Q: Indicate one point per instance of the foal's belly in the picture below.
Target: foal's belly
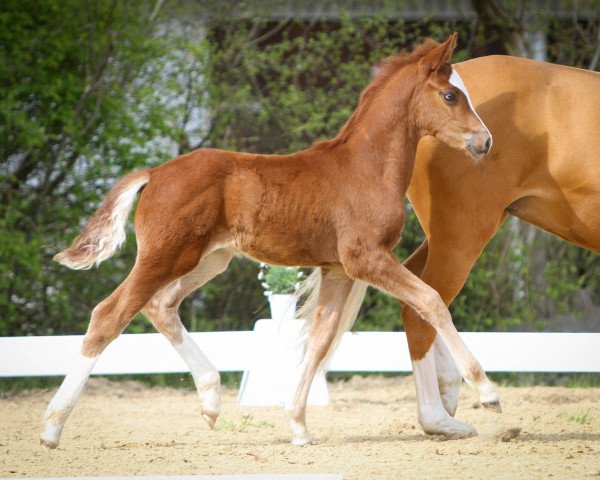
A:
(292, 247)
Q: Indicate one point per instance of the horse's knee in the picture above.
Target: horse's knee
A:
(96, 341)
(433, 309)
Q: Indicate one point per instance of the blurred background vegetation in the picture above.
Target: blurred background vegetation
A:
(92, 90)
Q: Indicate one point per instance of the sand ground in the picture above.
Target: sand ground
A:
(369, 430)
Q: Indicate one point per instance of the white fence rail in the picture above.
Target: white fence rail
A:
(238, 351)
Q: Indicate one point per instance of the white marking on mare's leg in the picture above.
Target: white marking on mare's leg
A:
(206, 377)
(449, 378)
(64, 400)
(433, 417)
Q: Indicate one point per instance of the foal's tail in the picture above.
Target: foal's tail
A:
(105, 231)
(310, 290)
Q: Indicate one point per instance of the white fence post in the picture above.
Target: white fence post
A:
(273, 383)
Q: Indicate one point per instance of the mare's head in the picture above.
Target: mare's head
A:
(442, 103)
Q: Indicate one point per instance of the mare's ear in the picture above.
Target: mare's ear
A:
(439, 56)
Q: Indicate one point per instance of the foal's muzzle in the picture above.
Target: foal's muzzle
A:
(478, 143)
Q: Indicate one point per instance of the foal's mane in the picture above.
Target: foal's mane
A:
(387, 68)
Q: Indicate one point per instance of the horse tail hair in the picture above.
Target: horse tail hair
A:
(310, 290)
(105, 230)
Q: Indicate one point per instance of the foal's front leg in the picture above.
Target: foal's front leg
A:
(380, 268)
(327, 320)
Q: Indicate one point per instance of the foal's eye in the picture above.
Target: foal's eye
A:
(450, 97)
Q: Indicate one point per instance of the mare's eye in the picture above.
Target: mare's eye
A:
(450, 97)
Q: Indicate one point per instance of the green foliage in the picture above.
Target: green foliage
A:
(71, 120)
(583, 418)
(245, 422)
(277, 279)
(91, 91)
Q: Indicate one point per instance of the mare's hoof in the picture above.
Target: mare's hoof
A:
(493, 406)
(451, 430)
(459, 435)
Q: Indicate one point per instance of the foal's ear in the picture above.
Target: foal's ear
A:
(439, 56)
(377, 68)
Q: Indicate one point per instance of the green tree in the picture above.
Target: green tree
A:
(73, 116)
(93, 90)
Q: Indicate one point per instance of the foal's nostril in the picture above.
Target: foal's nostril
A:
(488, 145)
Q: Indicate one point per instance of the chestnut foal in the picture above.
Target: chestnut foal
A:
(336, 205)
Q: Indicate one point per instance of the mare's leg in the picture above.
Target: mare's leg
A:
(162, 309)
(379, 267)
(335, 288)
(433, 409)
(450, 256)
(437, 380)
(109, 318)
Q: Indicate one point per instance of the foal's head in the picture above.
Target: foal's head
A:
(437, 101)
(442, 104)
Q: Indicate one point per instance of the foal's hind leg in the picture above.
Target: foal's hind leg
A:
(162, 312)
(325, 326)
(109, 318)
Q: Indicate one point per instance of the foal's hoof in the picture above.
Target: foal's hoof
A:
(48, 444)
(210, 418)
(493, 406)
(301, 441)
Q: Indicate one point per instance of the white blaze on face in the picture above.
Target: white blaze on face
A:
(458, 83)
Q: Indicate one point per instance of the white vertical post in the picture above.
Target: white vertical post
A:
(273, 383)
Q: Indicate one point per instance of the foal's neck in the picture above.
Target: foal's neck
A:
(385, 143)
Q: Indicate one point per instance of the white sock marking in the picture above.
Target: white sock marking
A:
(449, 378)
(433, 417)
(206, 377)
(64, 400)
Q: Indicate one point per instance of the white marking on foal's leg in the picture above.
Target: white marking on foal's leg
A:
(296, 406)
(206, 377)
(433, 417)
(449, 378)
(64, 400)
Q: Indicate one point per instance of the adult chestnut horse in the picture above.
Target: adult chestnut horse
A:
(544, 168)
(337, 205)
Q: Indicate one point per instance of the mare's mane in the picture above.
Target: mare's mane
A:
(387, 68)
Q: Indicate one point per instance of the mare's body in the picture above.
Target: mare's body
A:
(544, 168)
